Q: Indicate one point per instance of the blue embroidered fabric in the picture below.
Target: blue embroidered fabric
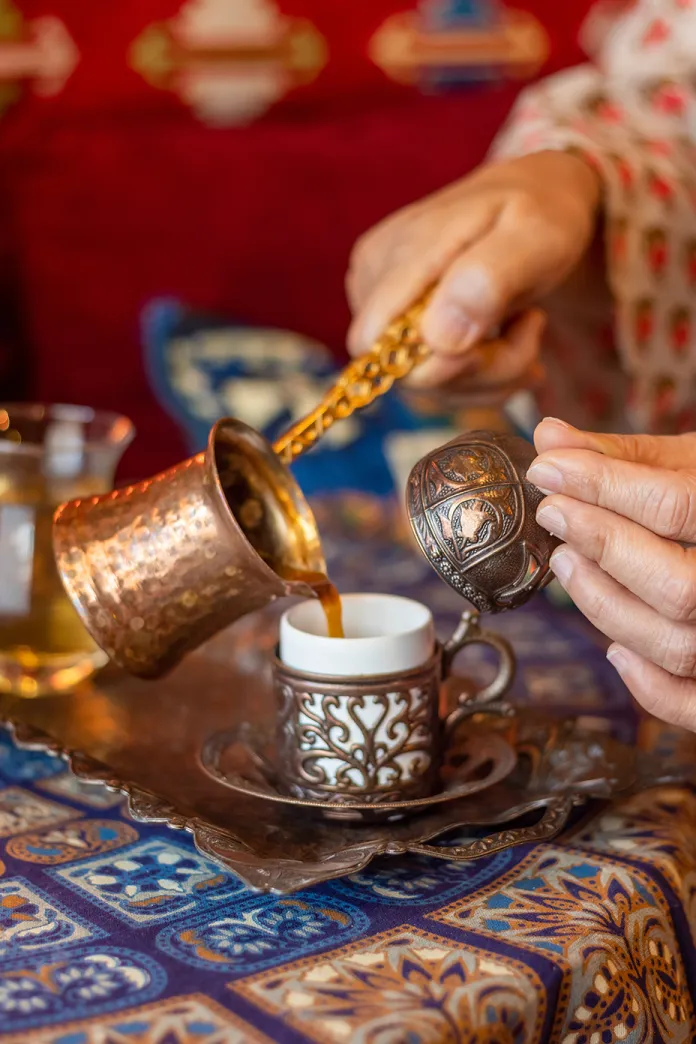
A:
(202, 368)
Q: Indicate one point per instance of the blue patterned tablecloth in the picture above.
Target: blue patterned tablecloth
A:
(113, 932)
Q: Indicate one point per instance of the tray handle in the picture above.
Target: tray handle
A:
(555, 817)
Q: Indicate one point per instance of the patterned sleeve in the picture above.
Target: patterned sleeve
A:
(631, 112)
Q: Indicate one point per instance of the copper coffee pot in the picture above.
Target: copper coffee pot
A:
(156, 569)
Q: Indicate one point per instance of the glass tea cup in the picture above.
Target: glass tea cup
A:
(48, 454)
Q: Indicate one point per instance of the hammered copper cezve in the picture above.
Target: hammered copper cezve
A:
(474, 516)
(159, 567)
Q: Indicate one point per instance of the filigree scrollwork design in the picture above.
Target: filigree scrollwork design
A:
(378, 744)
(380, 739)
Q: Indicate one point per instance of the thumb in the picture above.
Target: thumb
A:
(483, 285)
(503, 361)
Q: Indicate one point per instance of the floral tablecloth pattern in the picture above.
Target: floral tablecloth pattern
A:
(113, 932)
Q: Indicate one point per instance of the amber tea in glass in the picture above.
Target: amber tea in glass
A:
(48, 454)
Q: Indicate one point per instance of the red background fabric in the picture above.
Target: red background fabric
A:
(113, 193)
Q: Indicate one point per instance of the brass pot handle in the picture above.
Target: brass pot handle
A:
(394, 355)
(490, 699)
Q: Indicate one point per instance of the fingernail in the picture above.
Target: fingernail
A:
(618, 658)
(454, 330)
(354, 339)
(552, 519)
(545, 477)
(555, 420)
(562, 566)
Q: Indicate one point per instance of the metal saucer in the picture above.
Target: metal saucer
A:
(243, 758)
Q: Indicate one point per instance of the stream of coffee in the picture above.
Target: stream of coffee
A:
(331, 604)
(327, 594)
(249, 514)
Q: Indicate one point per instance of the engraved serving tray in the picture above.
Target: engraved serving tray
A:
(144, 739)
(244, 759)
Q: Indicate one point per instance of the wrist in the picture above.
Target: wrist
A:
(586, 175)
(578, 173)
(567, 170)
(575, 177)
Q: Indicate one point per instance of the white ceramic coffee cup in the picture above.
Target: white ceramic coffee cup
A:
(384, 634)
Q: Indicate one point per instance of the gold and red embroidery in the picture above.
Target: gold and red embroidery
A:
(624, 173)
(407, 49)
(230, 62)
(690, 262)
(39, 54)
(667, 97)
(644, 323)
(630, 113)
(664, 400)
(657, 32)
(660, 187)
(680, 331)
(604, 108)
(617, 239)
(656, 251)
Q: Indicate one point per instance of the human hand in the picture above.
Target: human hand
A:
(625, 506)
(495, 243)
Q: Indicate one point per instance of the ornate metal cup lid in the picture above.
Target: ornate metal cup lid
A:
(473, 514)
